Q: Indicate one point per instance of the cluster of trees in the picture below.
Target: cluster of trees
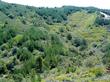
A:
(35, 49)
(60, 14)
(102, 21)
(107, 11)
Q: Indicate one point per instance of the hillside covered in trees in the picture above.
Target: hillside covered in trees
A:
(67, 44)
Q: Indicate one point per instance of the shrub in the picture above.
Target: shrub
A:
(92, 61)
(97, 71)
(11, 16)
(39, 46)
(69, 36)
(79, 42)
(6, 34)
(35, 34)
(55, 39)
(29, 65)
(23, 54)
(3, 69)
(4, 47)
(30, 44)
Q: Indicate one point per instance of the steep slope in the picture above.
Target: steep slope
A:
(67, 44)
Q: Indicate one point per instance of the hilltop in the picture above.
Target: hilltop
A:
(67, 44)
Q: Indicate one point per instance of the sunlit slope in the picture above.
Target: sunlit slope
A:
(83, 24)
(80, 25)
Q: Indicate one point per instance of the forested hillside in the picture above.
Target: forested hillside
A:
(67, 44)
